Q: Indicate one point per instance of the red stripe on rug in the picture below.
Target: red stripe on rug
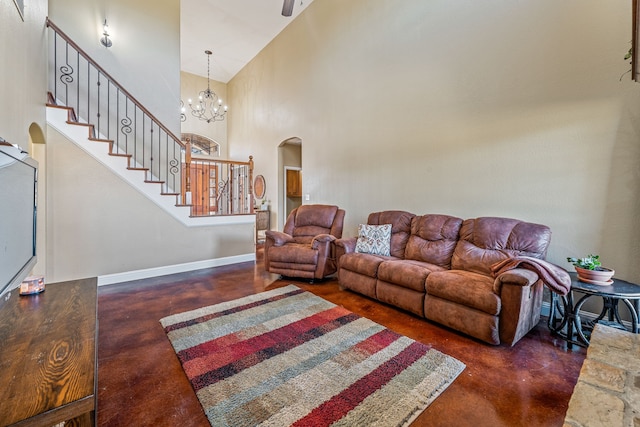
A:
(339, 405)
(377, 342)
(256, 352)
(233, 346)
(237, 309)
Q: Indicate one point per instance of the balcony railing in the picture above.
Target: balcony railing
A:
(210, 187)
(216, 187)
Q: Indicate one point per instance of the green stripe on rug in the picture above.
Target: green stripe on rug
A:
(287, 357)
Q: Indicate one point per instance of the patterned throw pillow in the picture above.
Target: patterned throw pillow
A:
(374, 239)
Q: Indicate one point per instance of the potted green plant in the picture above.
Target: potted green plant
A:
(590, 270)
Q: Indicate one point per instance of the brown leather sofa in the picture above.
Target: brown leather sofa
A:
(440, 268)
(304, 248)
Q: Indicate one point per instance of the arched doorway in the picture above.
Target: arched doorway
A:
(289, 177)
(38, 151)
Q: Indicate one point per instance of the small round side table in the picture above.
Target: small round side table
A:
(564, 315)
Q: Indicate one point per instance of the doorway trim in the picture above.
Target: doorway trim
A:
(282, 195)
(285, 214)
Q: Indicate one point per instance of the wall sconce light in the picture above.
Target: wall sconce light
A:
(106, 42)
(287, 7)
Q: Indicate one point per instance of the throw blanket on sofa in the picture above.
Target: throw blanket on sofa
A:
(556, 278)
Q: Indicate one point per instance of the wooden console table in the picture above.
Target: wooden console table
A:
(48, 355)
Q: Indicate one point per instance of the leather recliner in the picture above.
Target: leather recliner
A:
(304, 248)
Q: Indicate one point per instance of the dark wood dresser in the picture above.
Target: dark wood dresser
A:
(48, 355)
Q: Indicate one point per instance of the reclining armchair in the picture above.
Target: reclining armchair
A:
(304, 248)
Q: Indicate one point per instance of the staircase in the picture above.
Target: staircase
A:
(91, 109)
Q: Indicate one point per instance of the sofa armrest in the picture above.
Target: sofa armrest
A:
(277, 238)
(345, 246)
(520, 292)
(516, 277)
(322, 241)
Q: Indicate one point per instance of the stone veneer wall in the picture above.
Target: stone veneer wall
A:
(608, 389)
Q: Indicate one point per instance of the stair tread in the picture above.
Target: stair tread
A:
(79, 123)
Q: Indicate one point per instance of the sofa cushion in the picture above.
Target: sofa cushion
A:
(400, 228)
(433, 239)
(464, 288)
(403, 298)
(294, 253)
(485, 241)
(360, 283)
(366, 264)
(406, 273)
(374, 239)
(464, 319)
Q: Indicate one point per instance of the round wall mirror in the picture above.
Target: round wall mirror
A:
(259, 187)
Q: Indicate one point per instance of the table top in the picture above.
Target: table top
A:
(48, 353)
(619, 288)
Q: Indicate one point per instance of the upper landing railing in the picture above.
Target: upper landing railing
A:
(209, 186)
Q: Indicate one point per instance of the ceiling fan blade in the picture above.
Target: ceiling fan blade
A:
(287, 7)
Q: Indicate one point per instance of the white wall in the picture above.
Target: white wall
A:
(23, 77)
(461, 107)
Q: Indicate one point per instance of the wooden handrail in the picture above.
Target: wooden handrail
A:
(214, 160)
(113, 81)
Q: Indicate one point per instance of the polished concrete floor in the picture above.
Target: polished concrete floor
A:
(141, 382)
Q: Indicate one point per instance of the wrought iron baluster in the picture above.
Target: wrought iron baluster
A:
(144, 137)
(151, 159)
(125, 127)
(88, 93)
(117, 120)
(66, 76)
(98, 107)
(174, 168)
(55, 67)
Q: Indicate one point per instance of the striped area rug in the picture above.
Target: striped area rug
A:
(287, 357)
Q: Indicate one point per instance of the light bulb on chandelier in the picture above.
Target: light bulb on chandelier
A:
(209, 107)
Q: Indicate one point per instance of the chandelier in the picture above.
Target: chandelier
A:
(208, 106)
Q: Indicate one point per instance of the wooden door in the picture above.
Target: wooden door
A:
(203, 187)
(294, 183)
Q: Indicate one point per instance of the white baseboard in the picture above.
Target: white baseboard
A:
(546, 308)
(586, 315)
(127, 276)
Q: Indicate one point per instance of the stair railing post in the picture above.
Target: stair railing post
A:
(250, 201)
(187, 173)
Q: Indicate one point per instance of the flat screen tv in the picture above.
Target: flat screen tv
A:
(18, 193)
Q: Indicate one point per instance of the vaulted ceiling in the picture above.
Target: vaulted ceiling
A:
(234, 30)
